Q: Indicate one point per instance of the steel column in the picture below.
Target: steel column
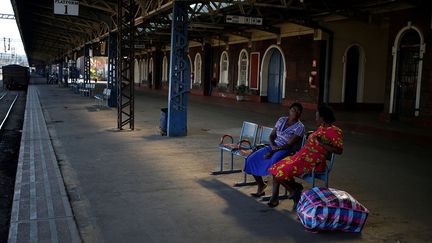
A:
(73, 73)
(112, 69)
(60, 73)
(125, 60)
(87, 63)
(179, 72)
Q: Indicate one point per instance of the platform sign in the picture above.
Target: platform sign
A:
(237, 19)
(66, 7)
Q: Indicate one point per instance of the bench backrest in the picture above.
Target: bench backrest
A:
(249, 131)
(264, 137)
(329, 160)
(305, 137)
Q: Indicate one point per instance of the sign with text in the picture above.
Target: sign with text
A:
(66, 7)
(236, 19)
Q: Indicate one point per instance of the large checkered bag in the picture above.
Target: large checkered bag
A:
(330, 209)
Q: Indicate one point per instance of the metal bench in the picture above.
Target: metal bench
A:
(245, 149)
(103, 97)
(248, 132)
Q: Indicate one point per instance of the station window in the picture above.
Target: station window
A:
(224, 64)
(243, 68)
(197, 79)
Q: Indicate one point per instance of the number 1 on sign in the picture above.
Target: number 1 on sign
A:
(65, 9)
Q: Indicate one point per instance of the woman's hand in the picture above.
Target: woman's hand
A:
(322, 141)
(327, 146)
(268, 155)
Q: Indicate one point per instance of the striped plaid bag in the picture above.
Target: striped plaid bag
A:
(330, 209)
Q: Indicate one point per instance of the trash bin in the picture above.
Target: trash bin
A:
(163, 121)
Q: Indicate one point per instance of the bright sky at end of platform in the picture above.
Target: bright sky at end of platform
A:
(9, 29)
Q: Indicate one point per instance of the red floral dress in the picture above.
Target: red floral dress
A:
(310, 155)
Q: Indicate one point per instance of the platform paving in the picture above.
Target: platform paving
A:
(41, 210)
(137, 186)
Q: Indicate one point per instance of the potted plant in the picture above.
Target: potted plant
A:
(241, 90)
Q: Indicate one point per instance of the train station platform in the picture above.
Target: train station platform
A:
(41, 211)
(138, 186)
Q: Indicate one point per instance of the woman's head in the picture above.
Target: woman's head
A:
(325, 114)
(295, 110)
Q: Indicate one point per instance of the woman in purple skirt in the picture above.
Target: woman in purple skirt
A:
(285, 139)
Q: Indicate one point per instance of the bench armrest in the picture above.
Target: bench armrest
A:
(226, 136)
(244, 145)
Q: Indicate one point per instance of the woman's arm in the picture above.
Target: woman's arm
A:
(330, 148)
(291, 142)
(273, 136)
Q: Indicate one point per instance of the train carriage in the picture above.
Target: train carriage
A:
(15, 77)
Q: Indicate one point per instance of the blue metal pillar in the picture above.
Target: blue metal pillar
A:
(87, 63)
(112, 69)
(60, 74)
(179, 72)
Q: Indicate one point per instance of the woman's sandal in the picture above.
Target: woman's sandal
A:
(296, 199)
(273, 204)
(257, 194)
(298, 188)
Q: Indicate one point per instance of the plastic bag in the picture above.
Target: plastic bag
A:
(331, 209)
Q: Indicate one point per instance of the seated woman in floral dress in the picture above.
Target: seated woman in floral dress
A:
(285, 139)
(326, 139)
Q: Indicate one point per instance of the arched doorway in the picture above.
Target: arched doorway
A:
(224, 65)
(164, 70)
(407, 54)
(136, 71)
(150, 73)
(273, 74)
(351, 76)
(407, 72)
(275, 70)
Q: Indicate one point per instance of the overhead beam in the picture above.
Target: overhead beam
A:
(99, 5)
(269, 29)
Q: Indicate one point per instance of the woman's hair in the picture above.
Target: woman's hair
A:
(327, 114)
(298, 105)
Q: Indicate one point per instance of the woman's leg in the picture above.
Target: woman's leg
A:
(289, 185)
(256, 166)
(294, 189)
(274, 200)
(260, 183)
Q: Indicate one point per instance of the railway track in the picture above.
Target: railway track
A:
(9, 106)
(3, 94)
(12, 107)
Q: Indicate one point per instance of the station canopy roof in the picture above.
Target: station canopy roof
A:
(48, 37)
